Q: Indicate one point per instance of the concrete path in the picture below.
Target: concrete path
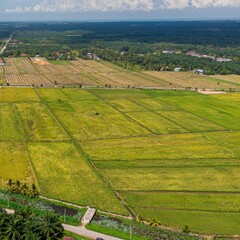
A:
(88, 216)
(88, 233)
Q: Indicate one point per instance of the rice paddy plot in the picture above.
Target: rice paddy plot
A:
(18, 95)
(212, 202)
(229, 78)
(9, 123)
(64, 174)
(118, 93)
(156, 123)
(93, 119)
(14, 163)
(52, 95)
(190, 122)
(228, 140)
(38, 123)
(154, 104)
(161, 163)
(2, 78)
(192, 178)
(201, 222)
(217, 110)
(125, 105)
(180, 146)
(78, 94)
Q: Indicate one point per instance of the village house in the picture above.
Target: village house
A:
(2, 63)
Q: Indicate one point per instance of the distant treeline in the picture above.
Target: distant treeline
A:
(133, 44)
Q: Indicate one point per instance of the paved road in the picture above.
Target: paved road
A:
(5, 45)
(88, 233)
(80, 231)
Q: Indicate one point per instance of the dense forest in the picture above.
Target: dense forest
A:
(213, 46)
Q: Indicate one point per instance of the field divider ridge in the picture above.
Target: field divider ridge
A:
(124, 114)
(25, 141)
(184, 110)
(151, 110)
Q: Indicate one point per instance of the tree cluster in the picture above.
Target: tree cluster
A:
(22, 188)
(24, 225)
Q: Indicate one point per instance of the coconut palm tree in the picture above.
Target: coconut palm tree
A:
(153, 222)
(13, 228)
(50, 227)
(34, 191)
(139, 219)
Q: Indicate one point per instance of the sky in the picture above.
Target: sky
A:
(92, 10)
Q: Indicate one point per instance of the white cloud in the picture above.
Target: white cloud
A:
(173, 4)
(215, 3)
(120, 5)
(87, 5)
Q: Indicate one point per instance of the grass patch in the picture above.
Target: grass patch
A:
(112, 232)
(75, 236)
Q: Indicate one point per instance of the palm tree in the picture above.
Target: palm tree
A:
(10, 183)
(30, 235)
(35, 191)
(154, 222)
(18, 186)
(24, 189)
(50, 227)
(3, 221)
(139, 219)
(13, 229)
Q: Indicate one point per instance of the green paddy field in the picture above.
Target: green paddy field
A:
(170, 155)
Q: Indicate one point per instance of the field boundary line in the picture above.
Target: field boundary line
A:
(123, 114)
(189, 210)
(158, 159)
(184, 110)
(159, 135)
(220, 145)
(25, 141)
(175, 122)
(180, 192)
(176, 166)
(164, 117)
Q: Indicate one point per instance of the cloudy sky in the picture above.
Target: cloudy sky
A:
(118, 9)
